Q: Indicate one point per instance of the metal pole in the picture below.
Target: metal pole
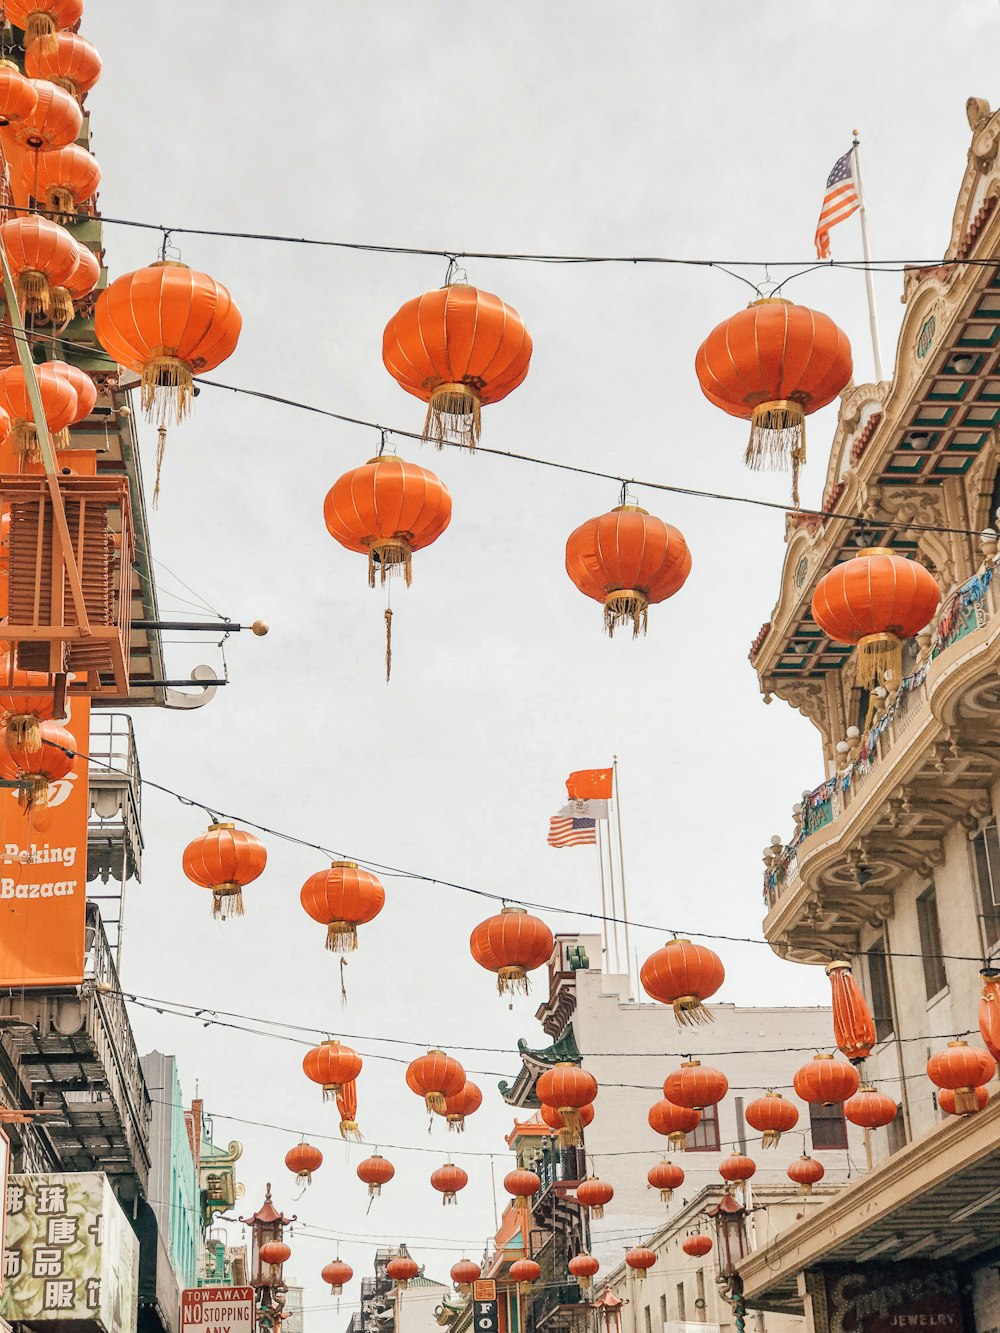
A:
(866, 247)
(604, 898)
(614, 902)
(616, 793)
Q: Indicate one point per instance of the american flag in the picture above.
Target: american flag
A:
(571, 832)
(839, 202)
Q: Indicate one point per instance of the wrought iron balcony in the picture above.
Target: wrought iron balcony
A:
(73, 1046)
(928, 761)
(114, 833)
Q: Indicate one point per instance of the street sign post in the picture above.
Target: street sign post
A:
(217, 1310)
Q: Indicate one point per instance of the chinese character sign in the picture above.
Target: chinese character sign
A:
(69, 1252)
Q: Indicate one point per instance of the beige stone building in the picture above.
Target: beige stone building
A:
(895, 857)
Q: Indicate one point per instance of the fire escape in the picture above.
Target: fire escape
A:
(558, 1232)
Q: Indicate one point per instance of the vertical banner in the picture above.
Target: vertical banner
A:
(43, 874)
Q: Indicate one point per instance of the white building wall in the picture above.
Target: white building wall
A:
(924, 1023)
(631, 1047)
(416, 1308)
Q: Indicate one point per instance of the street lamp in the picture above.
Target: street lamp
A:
(732, 1245)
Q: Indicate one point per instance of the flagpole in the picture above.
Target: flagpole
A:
(604, 897)
(866, 247)
(616, 795)
(614, 904)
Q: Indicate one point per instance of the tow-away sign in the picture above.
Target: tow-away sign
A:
(217, 1310)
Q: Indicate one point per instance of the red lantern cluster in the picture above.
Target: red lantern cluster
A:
(435, 1077)
(566, 1089)
(962, 1069)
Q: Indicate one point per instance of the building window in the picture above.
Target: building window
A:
(700, 1302)
(741, 1124)
(986, 850)
(649, 1320)
(705, 1136)
(681, 1307)
(935, 976)
(878, 983)
(827, 1126)
(663, 1310)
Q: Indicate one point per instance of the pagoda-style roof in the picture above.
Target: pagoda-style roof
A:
(534, 1063)
(267, 1213)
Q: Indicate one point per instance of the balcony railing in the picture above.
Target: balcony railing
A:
(970, 608)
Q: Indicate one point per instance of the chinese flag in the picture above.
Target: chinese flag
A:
(590, 784)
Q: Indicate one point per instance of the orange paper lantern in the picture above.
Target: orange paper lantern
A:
(55, 121)
(456, 349)
(853, 1025)
(989, 1011)
(43, 18)
(67, 59)
(375, 1171)
(695, 1085)
(697, 1245)
(566, 1088)
(332, 1065)
(665, 1177)
(41, 256)
(825, 1080)
(18, 98)
(225, 859)
(594, 1194)
(737, 1168)
(524, 1272)
(464, 1273)
(684, 975)
(34, 768)
(463, 1103)
(448, 1180)
(640, 1259)
(342, 898)
(511, 944)
(337, 1274)
(584, 1268)
(774, 364)
(435, 1077)
(676, 1122)
(962, 1069)
(772, 1116)
(402, 1269)
(806, 1172)
(869, 1108)
(627, 559)
(303, 1160)
(61, 180)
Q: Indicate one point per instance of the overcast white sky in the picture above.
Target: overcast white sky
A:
(694, 130)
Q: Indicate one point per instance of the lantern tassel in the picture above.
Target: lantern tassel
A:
(374, 1191)
(24, 439)
(227, 901)
(622, 606)
(666, 1196)
(879, 654)
(161, 449)
(770, 1138)
(60, 204)
(63, 310)
(167, 389)
(678, 1138)
(341, 937)
(33, 296)
(566, 1138)
(778, 439)
(690, 1012)
(454, 415)
(456, 1124)
(32, 792)
(513, 980)
(349, 1130)
(805, 1188)
(390, 556)
(572, 1125)
(40, 24)
(597, 1210)
(435, 1102)
(388, 644)
(23, 729)
(966, 1102)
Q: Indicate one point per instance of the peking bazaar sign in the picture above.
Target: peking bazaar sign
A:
(888, 1298)
(43, 874)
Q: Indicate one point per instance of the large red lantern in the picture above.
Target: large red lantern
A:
(826, 1081)
(463, 1103)
(684, 975)
(806, 1172)
(869, 1108)
(43, 18)
(989, 1011)
(594, 1194)
(435, 1077)
(275, 1253)
(511, 944)
(853, 1025)
(41, 255)
(18, 97)
(665, 1177)
(375, 1171)
(774, 364)
(303, 1160)
(402, 1270)
(55, 121)
(59, 405)
(627, 559)
(584, 1268)
(640, 1259)
(946, 1101)
(61, 180)
(737, 1169)
(524, 1272)
(387, 509)
(522, 1184)
(168, 323)
(566, 1088)
(225, 859)
(695, 1085)
(67, 59)
(676, 1122)
(337, 1274)
(962, 1069)
(876, 600)
(27, 699)
(697, 1245)
(342, 898)
(35, 768)
(772, 1116)
(456, 349)
(464, 1273)
(448, 1180)
(565, 1137)
(332, 1065)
